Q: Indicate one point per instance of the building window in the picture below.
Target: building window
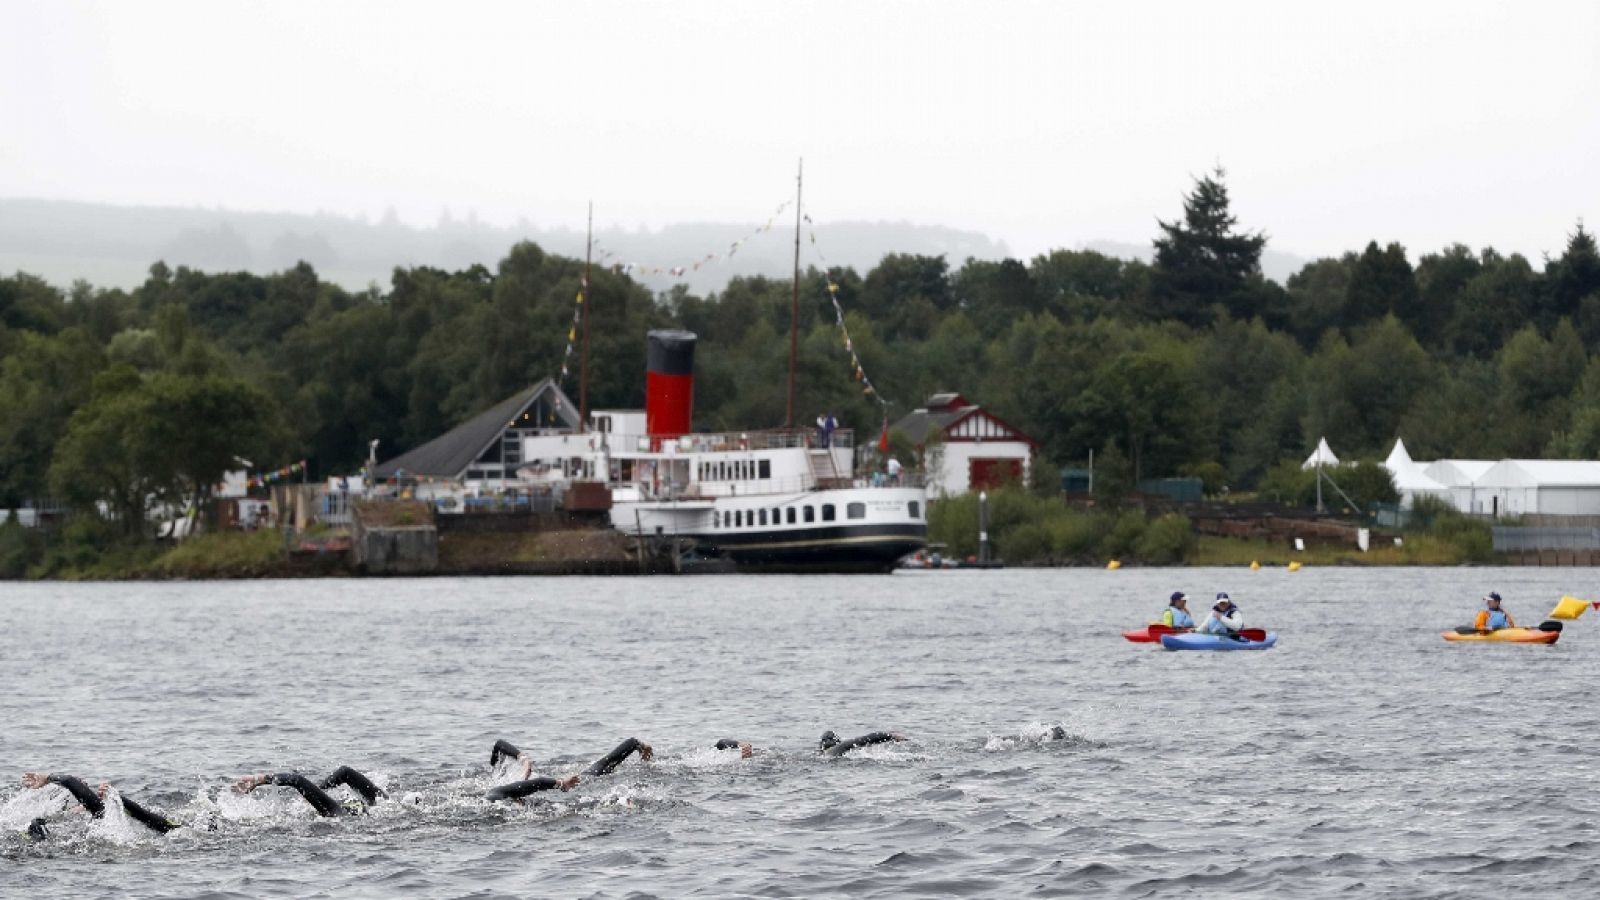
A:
(791, 515)
(766, 468)
(827, 512)
(856, 511)
(811, 514)
(915, 509)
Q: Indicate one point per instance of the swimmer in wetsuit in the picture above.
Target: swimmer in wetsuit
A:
(518, 790)
(830, 745)
(93, 802)
(745, 750)
(315, 793)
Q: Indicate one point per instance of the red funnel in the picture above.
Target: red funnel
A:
(669, 385)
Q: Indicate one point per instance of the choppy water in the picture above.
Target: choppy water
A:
(1363, 755)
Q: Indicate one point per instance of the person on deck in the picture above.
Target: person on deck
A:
(894, 471)
(1492, 617)
(1176, 615)
(1224, 618)
(826, 425)
(93, 802)
(315, 793)
(830, 745)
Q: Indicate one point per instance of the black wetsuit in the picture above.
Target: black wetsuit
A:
(605, 764)
(91, 801)
(727, 744)
(316, 793)
(832, 746)
(517, 790)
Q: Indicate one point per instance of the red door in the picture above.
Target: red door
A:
(988, 474)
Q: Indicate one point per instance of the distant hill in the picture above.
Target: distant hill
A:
(114, 246)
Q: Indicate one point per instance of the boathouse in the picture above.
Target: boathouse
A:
(965, 447)
(488, 447)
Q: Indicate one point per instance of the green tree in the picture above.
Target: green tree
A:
(1381, 283)
(1203, 261)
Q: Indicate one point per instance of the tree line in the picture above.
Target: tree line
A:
(1193, 363)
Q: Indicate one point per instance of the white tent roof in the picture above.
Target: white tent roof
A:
(1458, 472)
(1535, 473)
(1410, 477)
(1323, 454)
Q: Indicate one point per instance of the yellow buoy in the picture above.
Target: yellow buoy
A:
(1570, 607)
(1114, 564)
(1255, 565)
(1294, 566)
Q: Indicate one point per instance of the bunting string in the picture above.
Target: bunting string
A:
(609, 258)
(265, 478)
(857, 371)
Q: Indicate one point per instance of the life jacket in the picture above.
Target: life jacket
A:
(1498, 619)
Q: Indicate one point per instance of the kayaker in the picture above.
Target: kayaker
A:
(1176, 615)
(1224, 618)
(1492, 617)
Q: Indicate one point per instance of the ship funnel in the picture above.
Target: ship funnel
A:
(669, 384)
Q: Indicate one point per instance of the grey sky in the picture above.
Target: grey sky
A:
(1042, 124)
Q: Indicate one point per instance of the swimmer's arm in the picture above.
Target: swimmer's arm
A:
(157, 823)
(75, 786)
(356, 781)
(517, 790)
(319, 799)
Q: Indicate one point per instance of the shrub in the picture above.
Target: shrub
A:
(1166, 541)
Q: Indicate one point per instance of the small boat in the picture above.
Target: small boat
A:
(1152, 633)
(1217, 642)
(1505, 636)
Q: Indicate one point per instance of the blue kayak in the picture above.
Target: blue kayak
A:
(1215, 642)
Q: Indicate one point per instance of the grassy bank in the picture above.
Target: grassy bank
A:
(1030, 530)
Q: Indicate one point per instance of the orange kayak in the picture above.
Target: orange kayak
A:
(1507, 636)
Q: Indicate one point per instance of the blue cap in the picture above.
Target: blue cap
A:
(1176, 596)
(1223, 595)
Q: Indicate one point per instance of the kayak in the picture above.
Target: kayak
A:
(1507, 636)
(1150, 634)
(1215, 642)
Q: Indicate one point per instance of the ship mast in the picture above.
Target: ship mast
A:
(583, 366)
(794, 302)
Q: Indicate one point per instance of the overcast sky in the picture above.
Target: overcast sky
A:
(1041, 124)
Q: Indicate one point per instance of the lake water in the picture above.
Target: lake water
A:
(1362, 755)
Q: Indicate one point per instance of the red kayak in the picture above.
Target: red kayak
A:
(1151, 634)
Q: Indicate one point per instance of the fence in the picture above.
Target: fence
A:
(1520, 539)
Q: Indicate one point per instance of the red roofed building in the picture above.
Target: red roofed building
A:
(965, 447)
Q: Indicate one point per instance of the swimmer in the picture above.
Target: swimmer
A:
(93, 802)
(315, 793)
(745, 750)
(830, 744)
(518, 790)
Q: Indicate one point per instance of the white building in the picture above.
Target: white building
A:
(1552, 487)
(1498, 488)
(965, 447)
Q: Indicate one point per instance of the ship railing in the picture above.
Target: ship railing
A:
(704, 491)
(768, 439)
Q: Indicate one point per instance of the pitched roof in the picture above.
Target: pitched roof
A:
(1323, 454)
(449, 454)
(918, 423)
(945, 411)
(1508, 473)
